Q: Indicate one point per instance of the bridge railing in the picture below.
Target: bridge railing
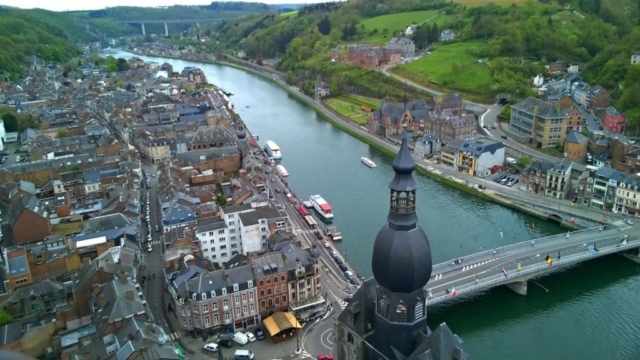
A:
(488, 254)
(499, 279)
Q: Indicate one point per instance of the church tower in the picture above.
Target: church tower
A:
(387, 318)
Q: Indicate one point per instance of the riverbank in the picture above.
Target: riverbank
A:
(379, 144)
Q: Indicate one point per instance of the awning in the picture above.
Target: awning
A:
(306, 303)
(279, 322)
(325, 207)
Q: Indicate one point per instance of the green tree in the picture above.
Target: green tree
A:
(61, 133)
(10, 122)
(221, 200)
(122, 64)
(5, 318)
(523, 162)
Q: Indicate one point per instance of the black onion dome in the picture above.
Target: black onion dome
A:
(315, 254)
(402, 259)
(403, 163)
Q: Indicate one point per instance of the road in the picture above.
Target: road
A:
(483, 273)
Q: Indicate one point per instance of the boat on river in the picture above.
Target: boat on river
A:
(282, 171)
(273, 150)
(322, 207)
(368, 162)
(333, 233)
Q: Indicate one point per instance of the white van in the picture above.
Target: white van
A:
(240, 338)
(243, 355)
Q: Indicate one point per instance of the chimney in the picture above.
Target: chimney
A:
(176, 265)
(129, 294)
(192, 261)
(242, 173)
(249, 258)
(102, 299)
(151, 329)
(86, 260)
(122, 277)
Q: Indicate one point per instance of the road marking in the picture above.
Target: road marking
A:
(322, 339)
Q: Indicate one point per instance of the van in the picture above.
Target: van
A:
(240, 338)
(243, 355)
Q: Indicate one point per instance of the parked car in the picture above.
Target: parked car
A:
(260, 334)
(503, 136)
(250, 336)
(628, 221)
(240, 338)
(211, 347)
(226, 343)
(348, 298)
(342, 267)
(316, 315)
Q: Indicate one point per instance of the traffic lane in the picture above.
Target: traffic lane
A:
(318, 339)
(530, 257)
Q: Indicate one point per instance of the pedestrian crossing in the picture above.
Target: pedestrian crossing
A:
(469, 267)
(343, 304)
(174, 336)
(155, 242)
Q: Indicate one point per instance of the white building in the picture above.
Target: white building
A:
(256, 226)
(215, 240)
(2, 135)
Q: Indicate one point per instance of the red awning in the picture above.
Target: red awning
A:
(325, 207)
(254, 143)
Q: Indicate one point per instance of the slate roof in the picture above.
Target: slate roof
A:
(545, 110)
(30, 203)
(206, 225)
(608, 173)
(177, 214)
(630, 181)
(395, 111)
(217, 280)
(253, 217)
(575, 137)
(200, 156)
(269, 264)
(118, 306)
(18, 265)
(43, 287)
(480, 146)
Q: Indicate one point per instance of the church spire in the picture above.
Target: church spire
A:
(402, 210)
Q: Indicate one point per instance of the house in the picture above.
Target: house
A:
(29, 220)
(635, 58)
(543, 122)
(426, 145)
(208, 137)
(613, 120)
(178, 215)
(410, 29)
(18, 272)
(270, 272)
(393, 118)
(39, 298)
(599, 97)
(366, 56)
(257, 225)
(451, 102)
(559, 66)
(322, 90)
(447, 35)
(473, 157)
(447, 126)
(548, 179)
(27, 136)
(575, 146)
(601, 188)
(406, 46)
(627, 198)
(619, 146)
(303, 267)
(222, 299)
(31, 335)
(194, 74)
(575, 119)
(214, 238)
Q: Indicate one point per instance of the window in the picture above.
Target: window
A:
(232, 231)
(268, 281)
(224, 254)
(269, 302)
(189, 322)
(225, 302)
(210, 233)
(263, 304)
(253, 308)
(261, 293)
(233, 238)
(194, 296)
(263, 229)
(204, 296)
(216, 319)
(277, 300)
(234, 246)
(235, 288)
(244, 309)
(251, 296)
(260, 283)
(223, 246)
(282, 278)
(213, 249)
(206, 321)
(205, 308)
(244, 298)
(237, 299)
(283, 288)
(227, 316)
(224, 291)
(221, 232)
(231, 223)
(231, 216)
(214, 306)
(284, 298)
(250, 283)
(197, 321)
(238, 310)
(276, 290)
(213, 293)
(21, 281)
(275, 279)
(269, 292)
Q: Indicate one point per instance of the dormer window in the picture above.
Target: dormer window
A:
(224, 291)
(194, 296)
(213, 293)
(236, 287)
(204, 296)
(250, 283)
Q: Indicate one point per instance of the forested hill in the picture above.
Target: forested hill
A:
(49, 35)
(500, 47)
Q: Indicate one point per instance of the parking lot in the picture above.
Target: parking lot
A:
(262, 349)
(508, 177)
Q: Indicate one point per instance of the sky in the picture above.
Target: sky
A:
(66, 5)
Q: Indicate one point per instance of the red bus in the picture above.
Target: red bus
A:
(303, 211)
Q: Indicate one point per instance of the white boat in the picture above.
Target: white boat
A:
(322, 207)
(368, 162)
(308, 204)
(273, 150)
(282, 171)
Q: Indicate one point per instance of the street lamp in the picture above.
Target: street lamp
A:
(298, 350)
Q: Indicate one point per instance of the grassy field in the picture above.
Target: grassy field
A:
(340, 107)
(351, 106)
(360, 119)
(485, 2)
(67, 228)
(289, 14)
(437, 68)
(393, 23)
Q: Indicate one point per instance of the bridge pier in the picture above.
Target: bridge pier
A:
(633, 255)
(519, 287)
(144, 32)
(166, 30)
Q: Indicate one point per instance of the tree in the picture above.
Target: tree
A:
(456, 67)
(523, 162)
(10, 122)
(324, 25)
(122, 64)
(5, 318)
(221, 200)
(61, 133)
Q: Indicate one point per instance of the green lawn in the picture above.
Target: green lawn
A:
(393, 23)
(360, 119)
(437, 68)
(372, 103)
(289, 14)
(67, 228)
(337, 106)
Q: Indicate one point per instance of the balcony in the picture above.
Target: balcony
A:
(227, 321)
(225, 308)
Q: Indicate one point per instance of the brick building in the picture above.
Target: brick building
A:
(271, 276)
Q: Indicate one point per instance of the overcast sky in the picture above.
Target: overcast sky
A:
(64, 5)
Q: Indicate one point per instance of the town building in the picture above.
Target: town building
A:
(635, 58)
(257, 225)
(576, 146)
(575, 119)
(448, 126)
(452, 102)
(543, 122)
(598, 188)
(613, 120)
(271, 276)
(473, 157)
(548, 179)
(322, 90)
(387, 318)
(29, 220)
(427, 145)
(368, 56)
(392, 118)
(559, 66)
(404, 45)
(627, 198)
(194, 74)
(447, 35)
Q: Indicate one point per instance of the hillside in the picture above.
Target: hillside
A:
(48, 35)
(107, 21)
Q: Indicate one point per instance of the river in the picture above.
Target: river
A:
(588, 312)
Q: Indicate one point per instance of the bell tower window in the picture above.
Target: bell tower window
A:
(401, 313)
(419, 310)
(382, 305)
(403, 202)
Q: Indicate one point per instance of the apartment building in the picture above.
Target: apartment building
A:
(217, 244)
(270, 271)
(541, 121)
(257, 225)
(303, 268)
(627, 198)
(548, 179)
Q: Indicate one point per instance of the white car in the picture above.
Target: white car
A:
(250, 336)
(211, 347)
(438, 172)
(430, 168)
(628, 221)
(149, 248)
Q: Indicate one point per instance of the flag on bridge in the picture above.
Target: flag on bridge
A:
(549, 260)
(592, 249)
(454, 293)
(501, 234)
(573, 221)
(504, 272)
(624, 242)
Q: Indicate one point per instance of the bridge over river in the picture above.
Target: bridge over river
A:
(484, 270)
